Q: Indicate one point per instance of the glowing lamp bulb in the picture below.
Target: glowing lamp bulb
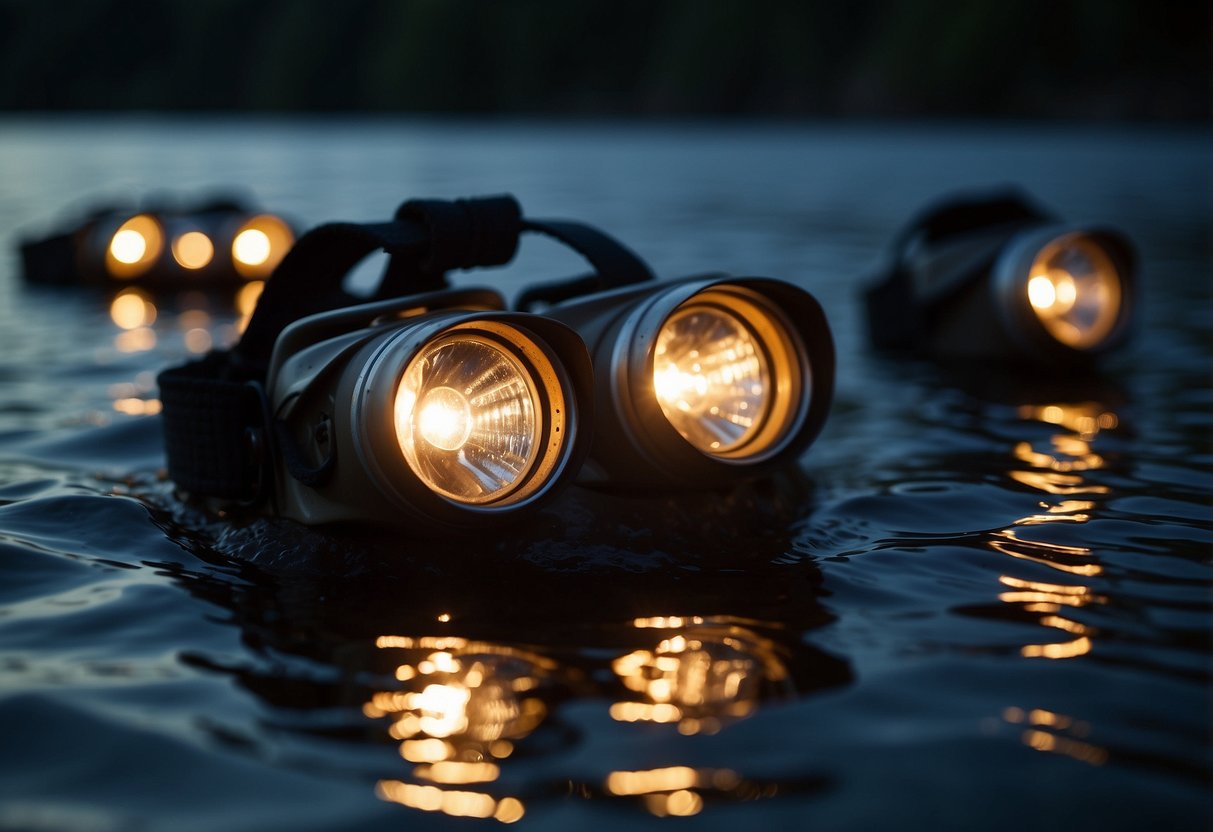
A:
(260, 244)
(1075, 291)
(251, 247)
(193, 250)
(445, 419)
(1042, 294)
(467, 419)
(128, 246)
(134, 247)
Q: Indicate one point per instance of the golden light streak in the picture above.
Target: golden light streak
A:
(651, 780)
(1058, 548)
(455, 772)
(455, 803)
(138, 407)
(1055, 483)
(426, 643)
(644, 712)
(429, 750)
(1039, 591)
(1082, 751)
(1068, 650)
(1084, 569)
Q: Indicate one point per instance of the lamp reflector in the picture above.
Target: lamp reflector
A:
(711, 377)
(193, 250)
(1075, 290)
(468, 418)
(134, 247)
(260, 244)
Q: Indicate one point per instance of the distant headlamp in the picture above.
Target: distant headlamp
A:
(702, 381)
(998, 278)
(423, 406)
(221, 241)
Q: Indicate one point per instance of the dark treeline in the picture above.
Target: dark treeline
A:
(1085, 59)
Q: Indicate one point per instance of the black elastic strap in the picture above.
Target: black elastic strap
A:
(209, 411)
(615, 264)
(463, 234)
(895, 311)
(308, 280)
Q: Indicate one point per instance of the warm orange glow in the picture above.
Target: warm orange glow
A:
(425, 643)
(468, 417)
(426, 751)
(644, 712)
(260, 244)
(1075, 291)
(193, 250)
(463, 706)
(1072, 446)
(1058, 593)
(1060, 484)
(711, 377)
(445, 419)
(665, 622)
(135, 247)
(653, 780)
(458, 773)
(1067, 650)
(138, 407)
(449, 802)
(1007, 547)
(706, 674)
(1085, 419)
(1083, 751)
(131, 309)
(246, 302)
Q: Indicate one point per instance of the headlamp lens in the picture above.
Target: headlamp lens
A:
(466, 416)
(193, 250)
(134, 247)
(1075, 290)
(711, 377)
(260, 244)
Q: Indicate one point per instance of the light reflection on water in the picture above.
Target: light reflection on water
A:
(463, 708)
(1069, 454)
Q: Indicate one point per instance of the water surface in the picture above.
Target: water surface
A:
(975, 603)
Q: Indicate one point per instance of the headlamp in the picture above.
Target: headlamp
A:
(221, 241)
(702, 381)
(997, 277)
(438, 409)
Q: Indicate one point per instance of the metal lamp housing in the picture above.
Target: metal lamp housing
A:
(634, 441)
(332, 390)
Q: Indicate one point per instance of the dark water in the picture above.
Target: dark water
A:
(977, 603)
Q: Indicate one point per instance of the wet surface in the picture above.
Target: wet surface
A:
(978, 602)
